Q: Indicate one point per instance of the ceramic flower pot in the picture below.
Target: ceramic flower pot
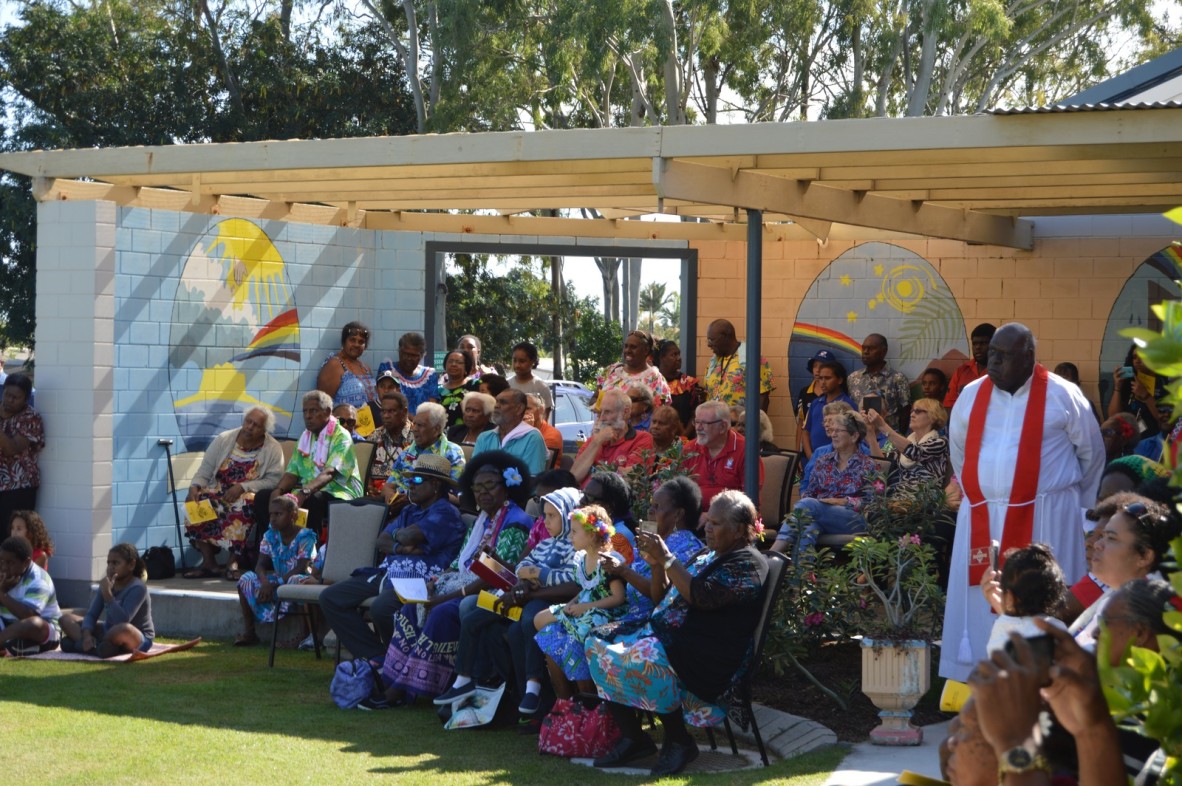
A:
(895, 676)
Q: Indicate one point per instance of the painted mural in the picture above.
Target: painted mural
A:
(1154, 280)
(235, 334)
(879, 288)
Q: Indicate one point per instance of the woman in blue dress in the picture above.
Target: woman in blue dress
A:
(343, 376)
(286, 554)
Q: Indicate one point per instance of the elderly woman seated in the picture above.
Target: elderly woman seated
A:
(710, 605)
(838, 487)
(285, 557)
(238, 463)
(767, 436)
(477, 409)
(923, 454)
(642, 407)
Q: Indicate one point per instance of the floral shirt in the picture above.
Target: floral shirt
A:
(21, 471)
(891, 385)
(452, 399)
(726, 378)
(853, 483)
(346, 478)
(406, 461)
(284, 556)
(389, 448)
(618, 377)
(35, 589)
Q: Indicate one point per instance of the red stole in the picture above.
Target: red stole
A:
(1019, 521)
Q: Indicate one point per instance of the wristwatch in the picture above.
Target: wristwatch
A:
(1022, 759)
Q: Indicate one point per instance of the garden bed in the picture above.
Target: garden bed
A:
(839, 667)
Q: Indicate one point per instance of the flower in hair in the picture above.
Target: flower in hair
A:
(512, 477)
(592, 522)
(293, 498)
(758, 525)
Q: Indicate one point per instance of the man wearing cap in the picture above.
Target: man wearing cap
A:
(877, 378)
(419, 543)
(391, 438)
(809, 391)
(973, 368)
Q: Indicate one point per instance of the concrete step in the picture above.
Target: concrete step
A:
(186, 608)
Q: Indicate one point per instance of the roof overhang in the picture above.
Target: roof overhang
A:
(967, 178)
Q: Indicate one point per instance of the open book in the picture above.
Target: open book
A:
(411, 590)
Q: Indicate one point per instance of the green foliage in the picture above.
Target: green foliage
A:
(593, 342)
(901, 574)
(501, 309)
(641, 484)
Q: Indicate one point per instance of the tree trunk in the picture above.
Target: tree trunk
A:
(609, 270)
(631, 293)
(556, 319)
(223, 63)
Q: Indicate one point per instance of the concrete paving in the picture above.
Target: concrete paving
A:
(880, 765)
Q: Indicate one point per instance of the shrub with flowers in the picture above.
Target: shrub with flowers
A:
(642, 485)
(900, 574)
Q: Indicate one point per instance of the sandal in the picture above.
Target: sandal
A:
(232, 574)
(200, 573)
(242, 640)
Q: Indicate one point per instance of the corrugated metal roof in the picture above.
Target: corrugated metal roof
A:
(1064, 108)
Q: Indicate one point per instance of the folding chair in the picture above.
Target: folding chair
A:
(355, 527)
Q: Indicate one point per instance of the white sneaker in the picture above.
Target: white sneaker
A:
(307, 644)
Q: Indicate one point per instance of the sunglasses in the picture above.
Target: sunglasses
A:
(418, 480)
(1144, 516)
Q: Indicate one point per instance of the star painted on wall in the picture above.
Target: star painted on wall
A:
(846, 280)
(878, 270)
(851, 316)
(872, 304)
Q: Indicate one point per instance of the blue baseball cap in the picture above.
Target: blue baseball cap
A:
(821, 357)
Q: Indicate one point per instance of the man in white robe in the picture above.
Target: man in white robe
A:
(1071, 462)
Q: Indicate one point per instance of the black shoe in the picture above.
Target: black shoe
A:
(627, 751)
(529, 703)
(452, 695)
(374, 702)
(675, 757)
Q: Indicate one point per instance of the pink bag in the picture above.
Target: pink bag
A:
(575, 732)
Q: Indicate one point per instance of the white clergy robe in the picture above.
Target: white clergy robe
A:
(1069, 475)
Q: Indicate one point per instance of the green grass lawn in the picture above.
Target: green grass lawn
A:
(218, 715)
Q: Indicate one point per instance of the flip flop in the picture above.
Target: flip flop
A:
(247, 641)
(199, 573)
(232, 575)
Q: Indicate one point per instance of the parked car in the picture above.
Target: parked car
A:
(572, 412)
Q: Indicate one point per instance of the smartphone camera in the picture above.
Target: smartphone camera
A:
(1043, 648)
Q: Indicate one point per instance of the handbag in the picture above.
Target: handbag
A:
(352, 683)
(575, 732)
(160, 562)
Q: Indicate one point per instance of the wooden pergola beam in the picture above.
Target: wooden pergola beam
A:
(750, 190)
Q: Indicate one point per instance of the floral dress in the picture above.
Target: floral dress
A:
(21, 471)
(637, 668)
(284, 557)
(452, 399)
(235, 519)
(618, 377)
(563, 639)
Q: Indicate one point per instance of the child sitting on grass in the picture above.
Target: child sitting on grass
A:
(30, 526)
(29, 614)
(124, 597)
(1030, 584)
(562, 629)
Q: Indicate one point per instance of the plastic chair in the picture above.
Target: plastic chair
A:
(779, 472)
(355, 527)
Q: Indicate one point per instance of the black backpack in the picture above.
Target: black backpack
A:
(161, 564)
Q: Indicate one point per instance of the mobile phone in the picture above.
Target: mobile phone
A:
(872, 403)
(1043, 648)
(1125, 372)
(648, 526)
(994, 547)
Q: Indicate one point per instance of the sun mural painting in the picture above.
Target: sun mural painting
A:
(879, 288)
(235, 335)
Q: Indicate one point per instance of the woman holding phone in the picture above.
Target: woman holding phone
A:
(923, 454)
(1136, 390)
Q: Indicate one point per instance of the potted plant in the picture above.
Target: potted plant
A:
(904, 603)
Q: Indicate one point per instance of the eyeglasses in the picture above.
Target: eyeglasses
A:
(704, 423)
(485, 488)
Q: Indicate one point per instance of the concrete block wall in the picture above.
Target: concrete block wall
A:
(1064, 289)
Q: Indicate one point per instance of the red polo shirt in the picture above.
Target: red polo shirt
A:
(626, 452)
(727, 470)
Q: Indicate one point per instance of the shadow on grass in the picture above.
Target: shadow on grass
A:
(219, 687)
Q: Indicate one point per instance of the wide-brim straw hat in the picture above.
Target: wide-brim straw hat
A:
(429, 465)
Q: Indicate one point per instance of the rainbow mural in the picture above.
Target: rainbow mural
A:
(235, 334)
(878, 288)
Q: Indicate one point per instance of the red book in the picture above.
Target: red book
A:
(497, 574)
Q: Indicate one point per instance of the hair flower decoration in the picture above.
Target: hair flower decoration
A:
(512, 477)
(758, 525)
(593, 522)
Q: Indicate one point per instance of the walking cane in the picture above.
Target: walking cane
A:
(176, 510)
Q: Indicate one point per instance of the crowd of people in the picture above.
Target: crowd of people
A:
(1063, 524)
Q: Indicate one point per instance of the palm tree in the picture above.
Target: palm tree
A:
(671, 317)
(653, 298)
